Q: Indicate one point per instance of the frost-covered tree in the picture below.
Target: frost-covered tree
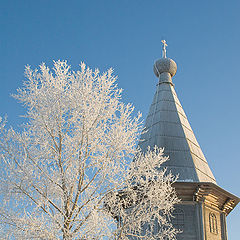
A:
(68, 174)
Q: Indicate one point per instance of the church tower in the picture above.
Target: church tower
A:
(201, 215)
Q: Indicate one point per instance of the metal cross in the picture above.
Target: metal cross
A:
(164, 50)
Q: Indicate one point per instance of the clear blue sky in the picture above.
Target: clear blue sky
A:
(203, 38)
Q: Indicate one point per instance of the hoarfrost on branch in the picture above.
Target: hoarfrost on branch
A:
(68, 173)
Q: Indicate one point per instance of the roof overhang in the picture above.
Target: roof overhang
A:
(209, 193)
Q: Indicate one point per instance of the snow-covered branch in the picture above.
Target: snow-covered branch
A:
(69, 174)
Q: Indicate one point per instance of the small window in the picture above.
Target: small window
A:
(178, 219)
(213, 223)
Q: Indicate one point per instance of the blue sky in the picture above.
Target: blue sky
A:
(203, 38)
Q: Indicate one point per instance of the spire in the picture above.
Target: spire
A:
(167, 126)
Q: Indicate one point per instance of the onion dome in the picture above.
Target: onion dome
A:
(165, 65)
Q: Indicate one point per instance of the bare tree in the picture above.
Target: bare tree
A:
(68, 173)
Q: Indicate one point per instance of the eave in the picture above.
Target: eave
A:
(207, 192)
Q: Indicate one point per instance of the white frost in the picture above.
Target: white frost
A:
(64, 175)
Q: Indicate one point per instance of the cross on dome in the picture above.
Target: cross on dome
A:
(164, 50)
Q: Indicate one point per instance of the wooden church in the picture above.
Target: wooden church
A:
(201, 215)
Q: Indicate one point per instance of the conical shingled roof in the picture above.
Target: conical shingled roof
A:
(167, 126)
